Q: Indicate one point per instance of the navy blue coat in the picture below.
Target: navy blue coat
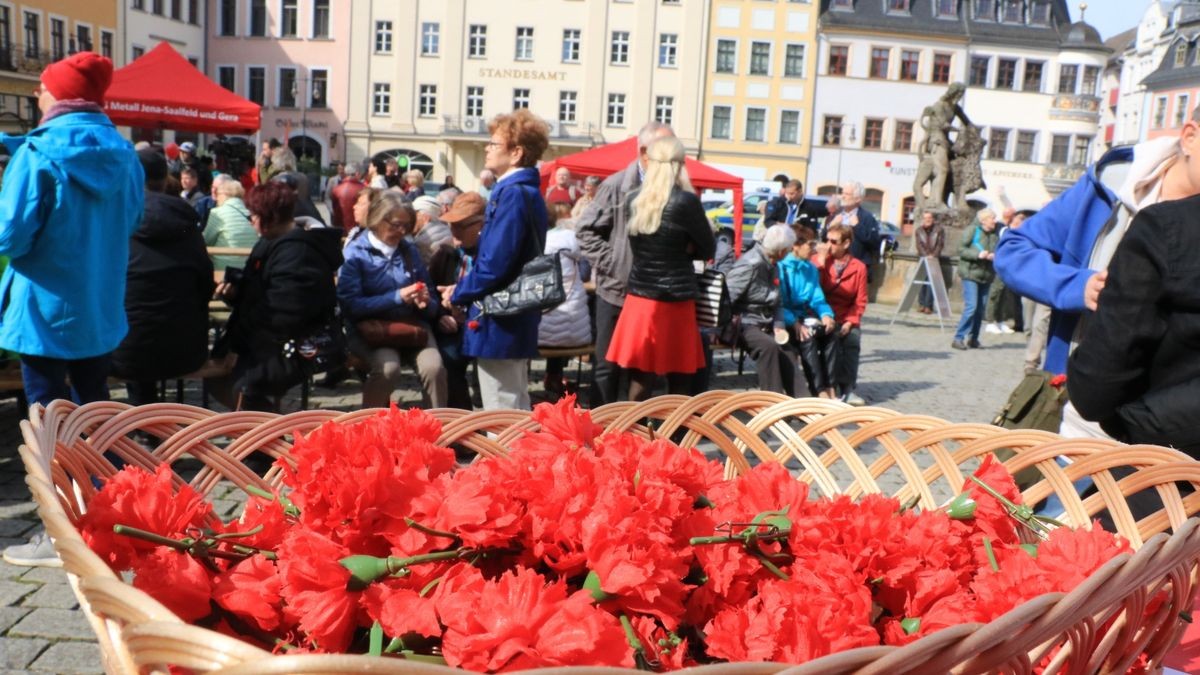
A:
(514, 211)
(369, 283)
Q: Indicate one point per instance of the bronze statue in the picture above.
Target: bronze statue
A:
(947, 167)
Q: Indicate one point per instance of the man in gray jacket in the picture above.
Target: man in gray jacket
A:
(605, 244)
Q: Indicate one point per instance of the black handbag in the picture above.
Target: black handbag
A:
(322, 350)
(539, 285)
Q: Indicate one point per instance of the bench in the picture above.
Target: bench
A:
(582, 352)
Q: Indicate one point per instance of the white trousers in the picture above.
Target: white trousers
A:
(504, 384)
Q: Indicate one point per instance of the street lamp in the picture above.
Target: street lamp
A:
(316, 93)
(832, 138)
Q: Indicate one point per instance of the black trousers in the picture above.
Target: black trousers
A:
(774, 363)
(606, 375)
(849, 350)
(819, 353)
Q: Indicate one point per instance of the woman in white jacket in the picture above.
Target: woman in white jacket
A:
(568, 324)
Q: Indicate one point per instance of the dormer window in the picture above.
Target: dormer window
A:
(1039, 12)
(897, 6)
(947, 8)
(985, 10)
(843, 4)
(1180, 54)
(1012, 11)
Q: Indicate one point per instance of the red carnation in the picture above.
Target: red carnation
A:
(251, 589)
(473, 324)
(264, 514)
(566, 422)
(479, 507)
(137, 498)
(177, 580)
(314, 589)
(401, 610)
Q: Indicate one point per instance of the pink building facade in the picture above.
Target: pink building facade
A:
(292, 57)
(1173, 90)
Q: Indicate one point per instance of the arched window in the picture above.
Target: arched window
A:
(410, 159)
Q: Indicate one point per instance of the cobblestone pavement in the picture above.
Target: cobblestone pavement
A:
(908, 367)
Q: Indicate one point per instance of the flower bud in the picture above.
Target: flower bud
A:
(961, 507)
(364, 569)
(592, 584)
(911, 625)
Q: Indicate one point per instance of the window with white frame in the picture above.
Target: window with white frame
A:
(106, 44)
(381, 101)
(664, 109)
(227, 77)
(1083, 146)
(58, 38)
(83, 38)
(947, 8)
(320, 19)
(427, 100)
(873, 133)
(616, 110)
(1181, 109)
(899, 6)
(902, 138)
(722, 121)
(258, 18)
(1025, 146)
(789, 126)
(998, 144)
(620, 48)
(256, 84)
(477, 41)
(756, 124)
(1060, 148)
(474, 101)
(318, 88)
(431, 38)
(668, 50)
(227, 18)
(1160, 112)
(1068, 77)
(287, 88)
(289, 18)
(520, 98)
(572, 41)
(33, 34)
(568, 102)
(760, 58)
(524, 51)
(726, 56)
(793, 61)
(1091, 78)
(383, 37)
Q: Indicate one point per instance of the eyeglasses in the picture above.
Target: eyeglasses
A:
(496, 144)
(836, 242)
(397, 223)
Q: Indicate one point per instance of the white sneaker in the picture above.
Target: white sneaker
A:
(1004, 328)
(992, 328)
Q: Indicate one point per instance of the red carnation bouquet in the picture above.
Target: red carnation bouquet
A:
(578, 548)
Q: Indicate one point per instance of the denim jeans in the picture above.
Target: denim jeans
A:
(974, 304)
(45, 379)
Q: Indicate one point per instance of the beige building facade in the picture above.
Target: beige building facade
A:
(37, 33)
(428, 76)
(760, 77)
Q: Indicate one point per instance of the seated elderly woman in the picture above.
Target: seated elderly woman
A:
(754, 287)
(807, 316)
(285, 294)
(229, 223)
(385, 291)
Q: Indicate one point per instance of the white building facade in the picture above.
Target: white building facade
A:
(427, 77)
(145, 23)
(1032, 86)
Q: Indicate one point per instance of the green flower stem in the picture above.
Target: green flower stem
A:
(250, 550)
(1021, 513)
(991, 554)
(762, 558)
(630, 636)
(429, 530)
(376, 640)
(430, 586)
(288, 507)
(153, 538)
(255, 491)
(394, 646)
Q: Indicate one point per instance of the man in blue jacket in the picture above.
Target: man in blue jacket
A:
(71, 199)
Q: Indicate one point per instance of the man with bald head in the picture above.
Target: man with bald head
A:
(605, 243)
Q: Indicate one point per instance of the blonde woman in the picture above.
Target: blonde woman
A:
(657, 332)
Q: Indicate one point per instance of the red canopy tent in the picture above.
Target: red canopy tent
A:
(161, 89)
(608, 159)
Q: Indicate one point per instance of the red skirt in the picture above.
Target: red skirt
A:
(657, 337)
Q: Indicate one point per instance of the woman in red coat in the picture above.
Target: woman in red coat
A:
(844, 280)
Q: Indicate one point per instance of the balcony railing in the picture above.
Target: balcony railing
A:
(18, 58)
(1059, 177)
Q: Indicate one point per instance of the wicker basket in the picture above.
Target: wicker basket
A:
(836, 448)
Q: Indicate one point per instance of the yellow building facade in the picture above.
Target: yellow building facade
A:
(37, 33)
(758, 87)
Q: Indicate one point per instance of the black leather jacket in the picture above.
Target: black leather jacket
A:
(662, 262)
